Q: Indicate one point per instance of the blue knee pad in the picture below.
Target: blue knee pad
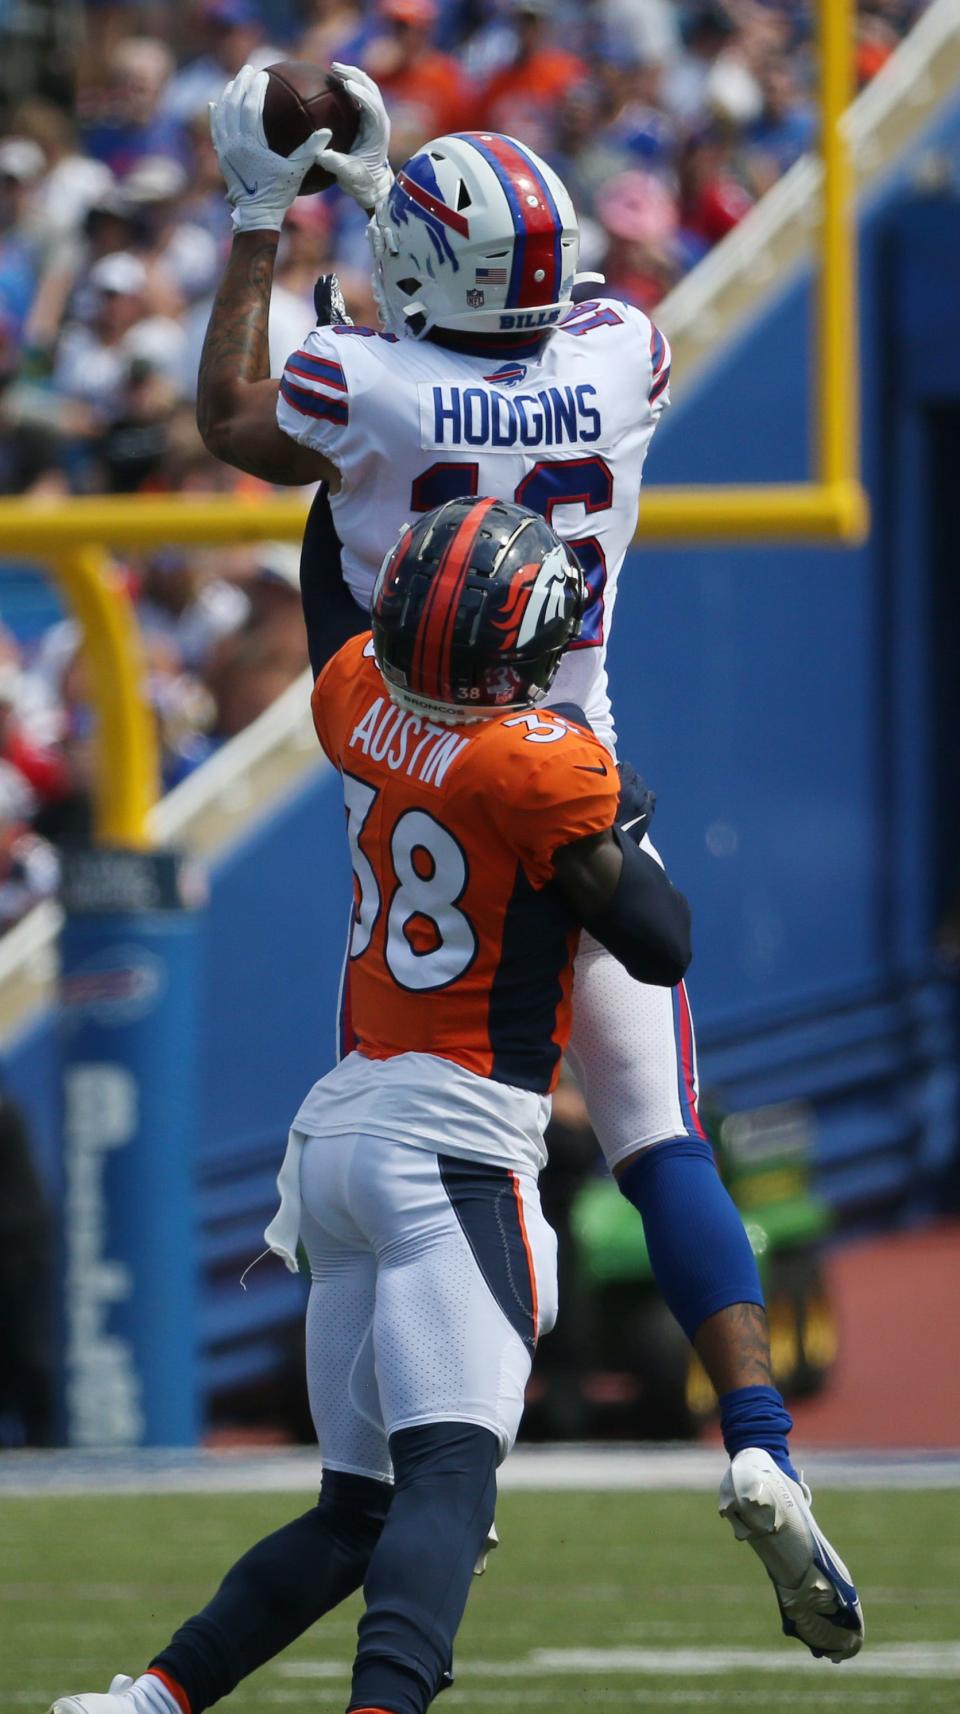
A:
(699, 1251)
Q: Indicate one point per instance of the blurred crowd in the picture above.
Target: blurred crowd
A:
(667, 119)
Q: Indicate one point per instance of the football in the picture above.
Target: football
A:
(301, 98)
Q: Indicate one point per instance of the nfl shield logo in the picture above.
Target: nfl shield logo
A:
(475, 298)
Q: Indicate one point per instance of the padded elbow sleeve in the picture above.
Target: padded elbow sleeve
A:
(646, 923)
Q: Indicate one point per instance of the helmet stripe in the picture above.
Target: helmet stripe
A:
(537, 225)
(433, 205)
(434, 640)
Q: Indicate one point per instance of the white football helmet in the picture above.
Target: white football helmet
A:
(477, 233)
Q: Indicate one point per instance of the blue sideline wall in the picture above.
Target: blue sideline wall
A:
(781, 702)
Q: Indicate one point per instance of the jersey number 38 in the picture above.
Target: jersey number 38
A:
(428, 941)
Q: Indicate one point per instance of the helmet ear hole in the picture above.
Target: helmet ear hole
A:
(410, 288)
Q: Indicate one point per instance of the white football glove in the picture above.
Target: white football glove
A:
(365, 174)
(260, 184)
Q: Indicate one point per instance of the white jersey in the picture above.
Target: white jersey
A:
(564, 431)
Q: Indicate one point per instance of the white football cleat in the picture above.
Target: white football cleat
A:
(114, 1702)
(818, 1601)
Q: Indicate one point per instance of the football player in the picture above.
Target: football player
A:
(482, 834)
(486, 378)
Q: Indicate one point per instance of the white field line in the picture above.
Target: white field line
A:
(584, 1469)
(698, 1697)
(545, 1695)
(893, 1660)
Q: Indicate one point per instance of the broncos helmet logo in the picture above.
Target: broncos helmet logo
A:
(537, 595)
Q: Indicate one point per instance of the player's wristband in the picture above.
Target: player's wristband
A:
(646, 924)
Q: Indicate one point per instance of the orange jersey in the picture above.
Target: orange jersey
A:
(458, 946)
(521, 98)
(425, 99)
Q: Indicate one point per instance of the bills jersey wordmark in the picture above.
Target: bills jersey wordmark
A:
(452, 416)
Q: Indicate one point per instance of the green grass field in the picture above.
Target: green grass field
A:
(644, 1583)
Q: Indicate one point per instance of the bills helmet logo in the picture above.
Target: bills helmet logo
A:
(416, 196)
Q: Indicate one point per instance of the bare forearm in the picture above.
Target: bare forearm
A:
(236, 350)
(236, 399)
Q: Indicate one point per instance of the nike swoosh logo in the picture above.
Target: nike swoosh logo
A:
(584, 769)
(826, 1563)
(251, 189)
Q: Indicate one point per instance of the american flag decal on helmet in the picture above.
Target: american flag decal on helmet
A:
(536, 269)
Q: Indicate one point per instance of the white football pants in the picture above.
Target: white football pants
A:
(633, 1053)
(432, 1279)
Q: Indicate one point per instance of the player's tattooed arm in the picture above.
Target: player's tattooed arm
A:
(236, 399)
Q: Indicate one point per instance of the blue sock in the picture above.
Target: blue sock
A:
(702, 1262)
(420, 1572)
(699, 1252)
(757, 1416)
(278, 1589)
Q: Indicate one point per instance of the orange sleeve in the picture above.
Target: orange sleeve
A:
(549, 794)
(329, 700)
(452, 95)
